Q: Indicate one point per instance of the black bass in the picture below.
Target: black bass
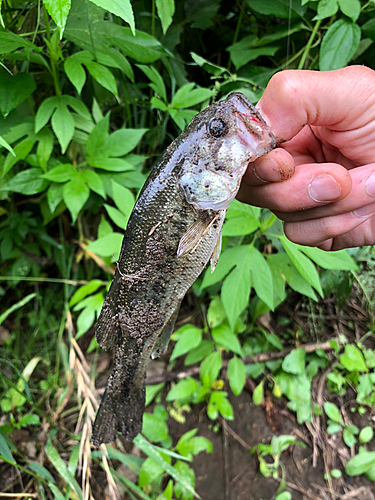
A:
(173, 231)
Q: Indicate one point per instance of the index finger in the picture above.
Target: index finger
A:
(341, 100)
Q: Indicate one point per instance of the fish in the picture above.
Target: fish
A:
(173, 232)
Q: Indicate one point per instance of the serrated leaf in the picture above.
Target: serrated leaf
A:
(236, 375)
(120, 8)
(58, 10)
(339, 44)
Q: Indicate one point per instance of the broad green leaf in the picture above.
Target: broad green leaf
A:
(84, 291)
(190, 337)
(63, 125)
(75, 72)
(120, 8)
(349, 438)
(326, 8)
(75, 195)
(242, 57)
(62, 469)
(27, 182)
(297, 388)
(353, 359)
(188, 445)
(187, 96)
(210, 368)
(215, 313)
(331, 260)
(118, 218)
(41, 471)
(94, 182)
(219, 400)
(294, 362)
(304, 265)
(261, 276)
(360, 463)
(350, 8)
(207, 65)
(332, 412)
(366, 434)
(61, 173)
(150, 472)
(108, 245)
(123, 198)
(95, 146)
(58, 10)
(258, 393)
(339, 44)
(103, 76)
(224, 336)
(21, 151)
(165, 10)
(14, 90)
(241, 225)
(154, 428)
(184, 389)
(4, 144)
(45, 147)
(236, 375)
(200, 352)
(124, 140)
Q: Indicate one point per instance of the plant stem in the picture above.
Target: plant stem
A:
(308, 45)
(153, 18)
(53, 62)
(35, 279)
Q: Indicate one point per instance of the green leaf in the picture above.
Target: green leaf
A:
(360, 463)
(236, 287)
(14, 90)
(84, 291)
(366, 434)
(332, 412)
(261, 276)
(75, 195)
(95, 146)
(240, 225)
(61, 173)
(9, 42)
(226, 262)
(339, 44)
(154, 428)
(107, 245)
(340, 260)
(188, 445)
(294, 362)
(63, 125)
(27, 182)
(41, 471)
(278, 8)
(219, 400)
(184, 389)
(350, 8)
(93, 180)
(5, 452)
(157, 81)
(304, 265)
(165, 10)
(45, 147)
(58, 10)
(75, 72)
(348, 437)
(215, 313)
(224, 336)
(123, 198)
(210, 368)
(258, 394)
(150, 472)
(123, 141)
(187, 96)
(116, 216)
(236, 375)
(62, 469)
(103, 76)
(208, 66)
(297, 388)
(200, 352)
(326, 8)
(154, 455)
(190, 337)
(353, 359)
(120, 8)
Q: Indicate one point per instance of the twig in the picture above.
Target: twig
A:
(257, 358)
(234, 434)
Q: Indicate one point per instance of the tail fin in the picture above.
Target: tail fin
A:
(122, 406)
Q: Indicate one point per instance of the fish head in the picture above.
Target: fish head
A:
(229, 135)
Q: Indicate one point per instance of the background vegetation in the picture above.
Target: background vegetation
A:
(91, 93)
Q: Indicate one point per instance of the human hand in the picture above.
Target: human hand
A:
(321, 180)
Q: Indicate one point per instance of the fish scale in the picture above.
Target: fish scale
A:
(172, 233)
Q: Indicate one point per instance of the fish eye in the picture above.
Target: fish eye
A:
(217, 127)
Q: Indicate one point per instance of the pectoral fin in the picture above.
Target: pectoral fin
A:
(216, 253)
(193, 236)
(162, 341)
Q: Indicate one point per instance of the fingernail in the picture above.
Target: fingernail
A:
(324, 188)
(365, 211)
(370, 185)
